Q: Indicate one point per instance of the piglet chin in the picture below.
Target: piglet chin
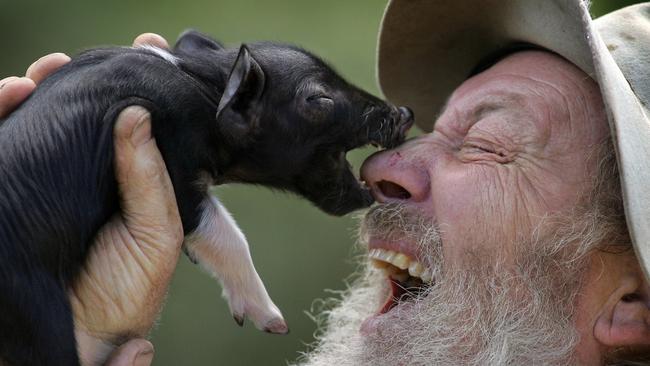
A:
(361, 198)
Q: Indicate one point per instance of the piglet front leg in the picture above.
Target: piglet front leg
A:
(220, 247)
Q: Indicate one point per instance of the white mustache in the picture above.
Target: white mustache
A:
(395, 221)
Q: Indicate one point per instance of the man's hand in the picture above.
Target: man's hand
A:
(122, 286)
(14, 90)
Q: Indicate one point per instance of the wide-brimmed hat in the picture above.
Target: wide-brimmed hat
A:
(427, 48)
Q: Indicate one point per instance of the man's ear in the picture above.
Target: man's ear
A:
(241, 96)
(625, 321)
(191, 42)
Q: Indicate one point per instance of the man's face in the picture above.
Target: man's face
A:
(509, 149)
(472, 202)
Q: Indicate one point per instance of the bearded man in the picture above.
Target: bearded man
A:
(516, 232)
(502, 232)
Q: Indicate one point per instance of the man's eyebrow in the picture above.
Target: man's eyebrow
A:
(496, 102)
(486, 108)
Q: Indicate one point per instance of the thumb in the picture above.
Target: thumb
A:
(147, 197)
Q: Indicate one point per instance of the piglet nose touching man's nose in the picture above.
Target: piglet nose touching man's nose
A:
(397, 175)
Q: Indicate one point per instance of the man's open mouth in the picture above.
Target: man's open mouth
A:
(408, 278)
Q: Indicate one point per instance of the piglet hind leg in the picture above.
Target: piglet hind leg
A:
(220, 247)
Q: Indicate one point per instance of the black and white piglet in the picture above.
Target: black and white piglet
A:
(265, 113)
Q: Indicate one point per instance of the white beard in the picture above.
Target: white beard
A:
(485, 313)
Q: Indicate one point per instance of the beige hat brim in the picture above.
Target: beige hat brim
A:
(427, 48)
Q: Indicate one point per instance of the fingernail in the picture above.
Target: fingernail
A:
(142, 131)
(144, 358)
(8, 81)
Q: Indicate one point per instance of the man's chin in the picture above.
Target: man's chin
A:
(372, 325)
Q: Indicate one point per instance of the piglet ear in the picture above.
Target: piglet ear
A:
(191, 42)
(241, 96)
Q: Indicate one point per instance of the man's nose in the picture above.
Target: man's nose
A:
(392, 177)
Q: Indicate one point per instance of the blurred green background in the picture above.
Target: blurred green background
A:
(299, 252)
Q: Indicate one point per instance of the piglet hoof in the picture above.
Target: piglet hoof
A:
(257, 307)
(239, 319)
(277, 326)
(273, 326)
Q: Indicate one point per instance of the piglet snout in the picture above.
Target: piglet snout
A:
(389, 125)
(406, 115)
(406, 121)
(402, 120)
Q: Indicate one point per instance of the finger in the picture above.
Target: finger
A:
(147, 197)
(151, 39)
(13, 91)
(6, 80)
(46, 65)
(136, 352)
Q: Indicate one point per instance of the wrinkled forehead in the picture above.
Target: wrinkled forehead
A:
(533, 66)
(537, 82)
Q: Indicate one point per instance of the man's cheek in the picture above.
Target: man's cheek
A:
(469, 191)
(521, 206)
(480, 208)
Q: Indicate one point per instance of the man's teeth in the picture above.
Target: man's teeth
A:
(398, 265)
